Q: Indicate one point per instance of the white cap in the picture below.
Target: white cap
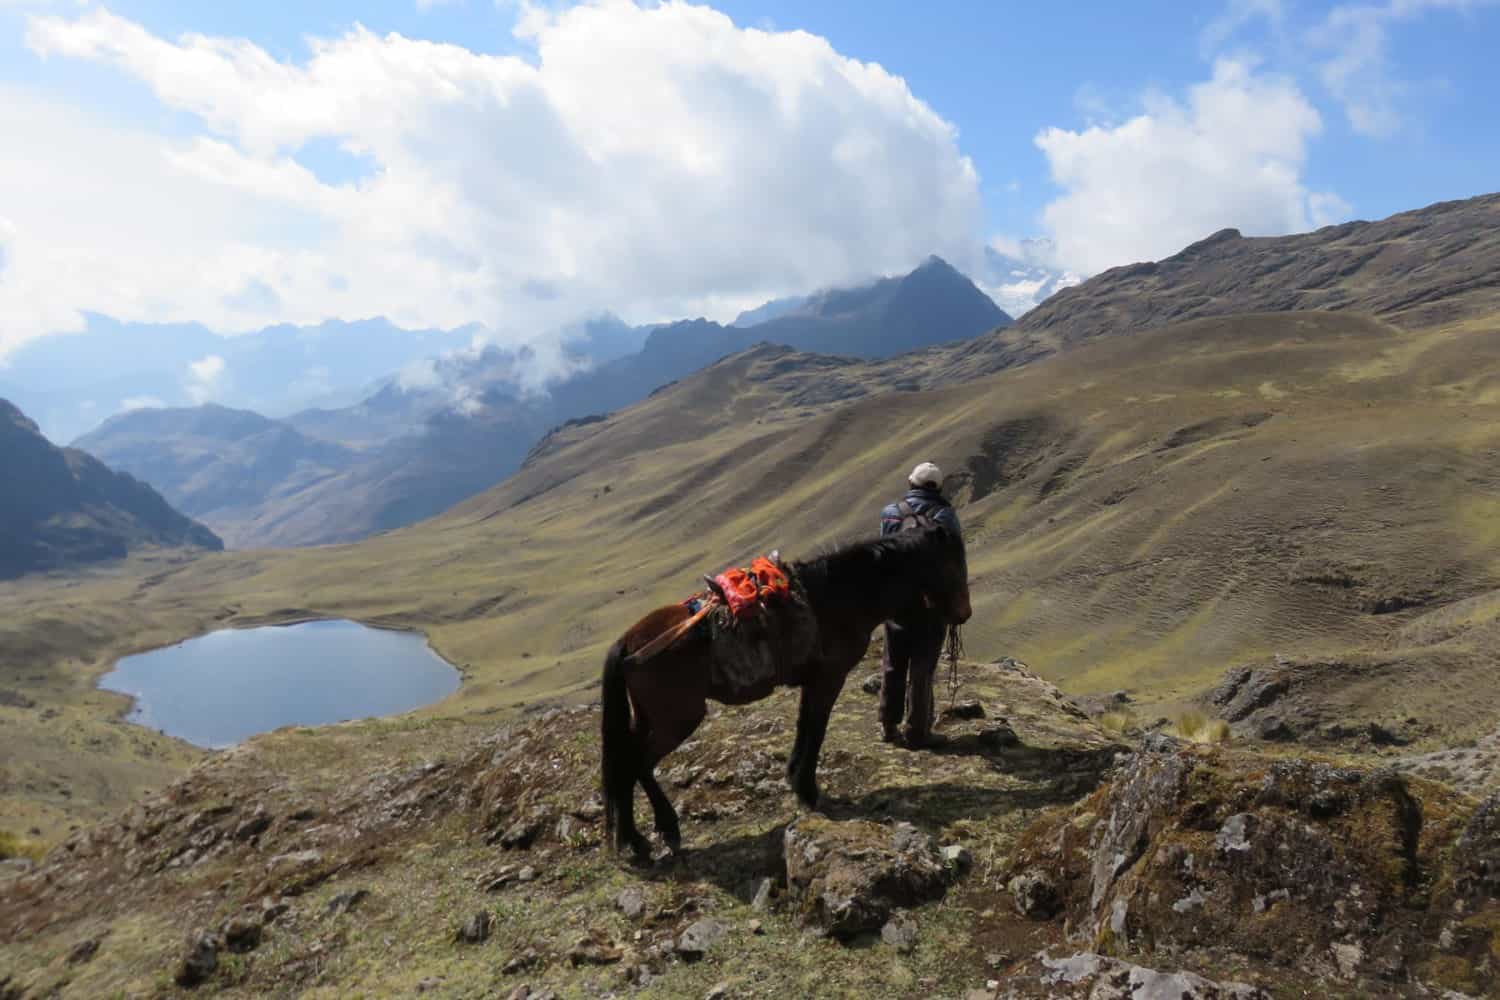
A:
(926, 474)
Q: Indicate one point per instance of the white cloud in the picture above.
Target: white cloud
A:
(1230, 155)
(1326, 208)
(1020, 274)
(141, 403)
(1358, 72)
(657, 161)
(1236, 15)
(418, 375)
(205, 378)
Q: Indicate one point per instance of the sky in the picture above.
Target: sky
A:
(518, 165)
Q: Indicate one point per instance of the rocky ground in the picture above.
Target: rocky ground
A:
(1035, 855)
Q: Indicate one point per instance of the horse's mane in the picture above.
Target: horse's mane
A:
(859, 561)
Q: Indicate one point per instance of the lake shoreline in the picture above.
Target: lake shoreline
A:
(277, 679)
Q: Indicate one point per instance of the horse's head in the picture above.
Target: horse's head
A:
(947, 588)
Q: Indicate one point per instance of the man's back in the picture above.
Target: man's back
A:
(920, 500)
(914, 642)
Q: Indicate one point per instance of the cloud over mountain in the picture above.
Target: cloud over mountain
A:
(656, 160)
(1231, 154)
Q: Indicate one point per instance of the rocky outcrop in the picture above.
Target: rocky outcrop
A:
(1101, 978)
(1289, 700)
(1338, 872)
(848, 878)
(1421, 267)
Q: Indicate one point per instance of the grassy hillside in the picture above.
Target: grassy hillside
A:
(1142, 513)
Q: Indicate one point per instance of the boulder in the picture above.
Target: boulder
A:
(957, 859)
(760, 899)
(631, 902)
(527, 960)
(999, 735)
(242, 932)
(871, 684)
(346, 901)
(900, 932)
(523, 832)
(699, 938)
(83, 951)
(594, 949)
(294, 861)
(849, 877)
(1035, 894)
(476, 929)
(1099, 978)
(253, 825)
(201, 960)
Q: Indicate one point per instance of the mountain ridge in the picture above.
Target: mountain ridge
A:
(63, 507)
(458, 425)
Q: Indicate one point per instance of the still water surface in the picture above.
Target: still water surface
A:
(223, 687)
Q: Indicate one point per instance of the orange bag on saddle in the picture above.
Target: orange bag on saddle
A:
(746, 589)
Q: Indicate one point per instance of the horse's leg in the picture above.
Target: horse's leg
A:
(794, 762)
(666, 817)
(622, 755)
(660, 741)
(818, 697)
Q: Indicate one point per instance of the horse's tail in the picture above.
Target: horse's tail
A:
(620, 755)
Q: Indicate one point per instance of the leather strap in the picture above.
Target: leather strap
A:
(674, 633)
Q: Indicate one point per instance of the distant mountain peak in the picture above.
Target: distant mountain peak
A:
(935, 263)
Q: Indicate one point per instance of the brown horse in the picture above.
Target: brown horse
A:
(849, 592)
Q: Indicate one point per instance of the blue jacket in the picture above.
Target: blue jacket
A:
(922, 501)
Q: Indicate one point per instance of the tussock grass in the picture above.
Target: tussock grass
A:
(1117, 723)
(1195, 726)
(15, 846)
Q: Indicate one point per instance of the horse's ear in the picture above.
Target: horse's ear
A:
(715, 589)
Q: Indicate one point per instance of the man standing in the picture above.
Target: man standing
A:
(913, 644)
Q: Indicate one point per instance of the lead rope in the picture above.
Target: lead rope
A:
(954, 651)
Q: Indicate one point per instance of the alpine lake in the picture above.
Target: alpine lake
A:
(221, 688)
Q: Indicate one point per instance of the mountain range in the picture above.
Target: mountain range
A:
(445, 428)
(1255, 543)
(61, 507)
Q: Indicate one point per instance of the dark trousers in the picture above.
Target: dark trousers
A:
(912, 650)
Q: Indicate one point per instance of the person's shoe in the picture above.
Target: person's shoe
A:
(889, 733)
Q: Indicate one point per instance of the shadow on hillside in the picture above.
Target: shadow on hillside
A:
(1032, 763)
(1043, 777)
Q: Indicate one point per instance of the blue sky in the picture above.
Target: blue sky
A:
(448, 186)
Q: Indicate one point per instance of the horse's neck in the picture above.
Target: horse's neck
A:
(853, 597)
